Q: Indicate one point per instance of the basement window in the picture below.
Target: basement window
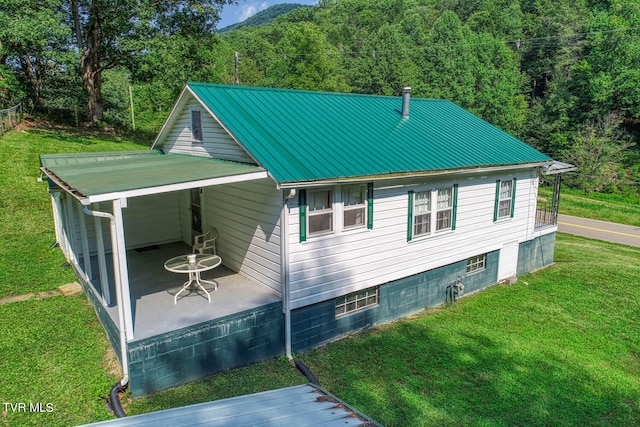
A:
(356, 301)
(476, 263)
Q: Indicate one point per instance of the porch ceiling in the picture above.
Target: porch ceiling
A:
(95, 177)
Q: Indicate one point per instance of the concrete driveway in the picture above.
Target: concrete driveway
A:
(601, 230)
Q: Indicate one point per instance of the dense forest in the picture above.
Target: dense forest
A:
(562, 75)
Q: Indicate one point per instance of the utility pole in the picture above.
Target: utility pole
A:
(236, 58)
(133, 120)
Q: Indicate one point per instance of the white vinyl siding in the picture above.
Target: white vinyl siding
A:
(177, 137)
(342, 263)
(247, 216)
(148, 220)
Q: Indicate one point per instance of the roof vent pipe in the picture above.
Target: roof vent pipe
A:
(406, 97)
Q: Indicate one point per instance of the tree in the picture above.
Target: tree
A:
(305, 60)
(32, 41)
(384, 65)
(598, 151)
(111, 33)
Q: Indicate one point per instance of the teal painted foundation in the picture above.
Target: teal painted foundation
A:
(536, 254)
(110, 328)
(317, 324)
(189, 354)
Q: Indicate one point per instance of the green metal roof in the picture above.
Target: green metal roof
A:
(91, 174)
(310, 136)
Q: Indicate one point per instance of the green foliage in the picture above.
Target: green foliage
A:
(264, 17)
(598, 151)
(543, 70)
(305, 60)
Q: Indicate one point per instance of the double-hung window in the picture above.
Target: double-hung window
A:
(354, 207)
(444, 213)
(422, 213)
(432, 207)
(320, 211)
(505, 198)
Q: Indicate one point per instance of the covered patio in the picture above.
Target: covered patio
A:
(120, 216)
(152, 293)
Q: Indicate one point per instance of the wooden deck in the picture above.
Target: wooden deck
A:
(153, 289)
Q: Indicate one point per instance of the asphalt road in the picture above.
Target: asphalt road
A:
(601, 230)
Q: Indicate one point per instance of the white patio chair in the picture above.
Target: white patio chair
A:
(207, 241)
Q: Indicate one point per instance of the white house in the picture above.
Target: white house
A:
(333, 211)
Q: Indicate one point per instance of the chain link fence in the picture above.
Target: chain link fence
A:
(9, 118)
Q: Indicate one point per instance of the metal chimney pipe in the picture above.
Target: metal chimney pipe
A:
(406, 97)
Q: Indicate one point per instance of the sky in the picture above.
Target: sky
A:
(245, 8)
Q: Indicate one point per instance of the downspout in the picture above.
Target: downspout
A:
(286, 294)
(122, 384)
(284, 271)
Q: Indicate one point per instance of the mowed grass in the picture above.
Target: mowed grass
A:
(560, 347)
(26, 221)
(623, 209)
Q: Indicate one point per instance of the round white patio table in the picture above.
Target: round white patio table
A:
(193, 264)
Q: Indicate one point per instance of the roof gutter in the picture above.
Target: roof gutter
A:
(402, 175)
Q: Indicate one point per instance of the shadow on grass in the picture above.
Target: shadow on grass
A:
(420, 376)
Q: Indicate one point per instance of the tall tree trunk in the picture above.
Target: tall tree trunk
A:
(90, 61)
(33, 74)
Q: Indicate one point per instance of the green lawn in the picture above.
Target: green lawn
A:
(560, 347)
(26, 222)
(623, 209)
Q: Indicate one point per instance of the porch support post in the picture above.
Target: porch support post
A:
(284, 272)
(70, 227)
(84, 240)
(102, 262)
(120, 251)
(58, 220)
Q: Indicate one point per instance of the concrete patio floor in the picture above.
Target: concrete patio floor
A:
(153, 289)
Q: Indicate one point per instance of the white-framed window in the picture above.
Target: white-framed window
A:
(444, 209)
(196, 126)
(476, 263)
(354, 207)
(320, 211)
(356, 301)
(505, 199)
(421, 213)
(431, 207)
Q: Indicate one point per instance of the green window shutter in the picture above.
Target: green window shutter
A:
(513, 197)
(497, 202)
(370, 205)
(454, 214)
(410, 218)
(302, 206)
